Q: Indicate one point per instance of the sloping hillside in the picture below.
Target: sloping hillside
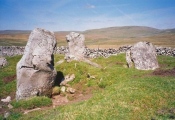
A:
(15, 32)
(103, 38)
(123, 32)
(119, 36)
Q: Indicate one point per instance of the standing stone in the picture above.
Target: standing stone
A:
(128, 58)
(143, 55)
(3, 62)
(76, 46)
(1, 50)
(76, 49)
(35, 70)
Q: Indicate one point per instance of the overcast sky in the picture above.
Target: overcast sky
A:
(65, 15)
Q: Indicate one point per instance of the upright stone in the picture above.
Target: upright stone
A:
(143, 56)
(35, 70)
(3, 62)
(76, 46)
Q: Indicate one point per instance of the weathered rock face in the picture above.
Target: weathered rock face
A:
(3, 62)
(143, 56)
(76, 46)
(35, 70)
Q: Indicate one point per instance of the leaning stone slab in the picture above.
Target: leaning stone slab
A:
(143, 56)
(35, 70)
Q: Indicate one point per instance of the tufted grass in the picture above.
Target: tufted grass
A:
(32, 103)
(8, 71)
(118, 92)
(122, 93)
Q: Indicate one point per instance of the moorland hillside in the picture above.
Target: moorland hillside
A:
(104, 37)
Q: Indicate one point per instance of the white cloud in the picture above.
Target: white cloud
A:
(156, 18)
(90, 6)
(54, 18)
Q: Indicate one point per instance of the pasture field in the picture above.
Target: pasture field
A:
(115, 93)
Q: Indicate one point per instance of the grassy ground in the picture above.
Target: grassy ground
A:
(117, 92)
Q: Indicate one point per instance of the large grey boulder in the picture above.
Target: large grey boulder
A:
(76, 47)
(35, 70)
(143, 56)
(3, 62)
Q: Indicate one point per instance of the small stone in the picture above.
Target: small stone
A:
(90, 76)
(63, 89)
(70, 90)
(10, 106)
(6, 114)
(67, 79)
(71, 78)
(93, 77)
(8, 99)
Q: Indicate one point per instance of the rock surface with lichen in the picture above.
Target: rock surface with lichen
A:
(143, 56)
(35, 70)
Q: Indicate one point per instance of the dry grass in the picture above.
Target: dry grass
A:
(105, 38)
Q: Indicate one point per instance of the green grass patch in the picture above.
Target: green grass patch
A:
(32, 103)
(8, 73)
(166, 62)
(118, 92)
(127, 94)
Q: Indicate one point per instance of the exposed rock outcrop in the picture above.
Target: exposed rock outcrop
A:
(143, 56)
(35, 70)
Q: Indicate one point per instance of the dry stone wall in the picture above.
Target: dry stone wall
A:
(89, 53)
(11, 50)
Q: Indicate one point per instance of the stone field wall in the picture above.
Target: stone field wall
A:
(89, 53)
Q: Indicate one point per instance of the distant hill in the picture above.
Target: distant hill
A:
(105, 37)
(127, 31)
(118, 36)
(15, 31)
